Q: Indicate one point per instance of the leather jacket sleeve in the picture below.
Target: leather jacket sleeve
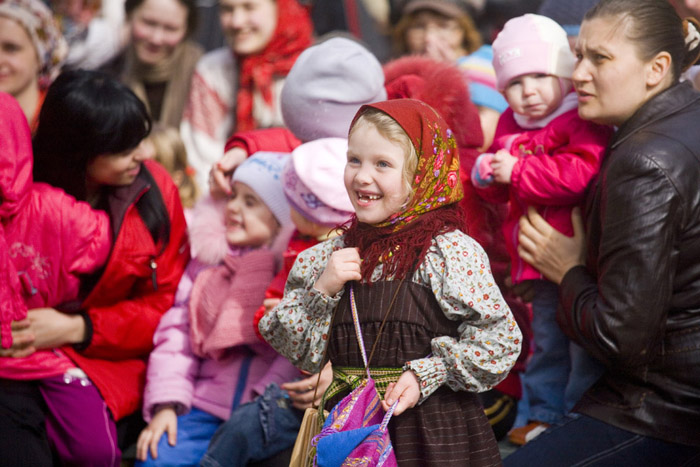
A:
(620, 316)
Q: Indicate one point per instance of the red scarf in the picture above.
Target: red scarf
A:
(257, 72)
(401, 241)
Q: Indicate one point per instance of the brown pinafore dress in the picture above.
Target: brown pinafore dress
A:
(449, 428)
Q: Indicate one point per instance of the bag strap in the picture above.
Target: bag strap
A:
(358, 331)
(242, 379)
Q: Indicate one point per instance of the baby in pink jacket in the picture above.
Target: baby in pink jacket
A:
(207, 359)
(543, 156)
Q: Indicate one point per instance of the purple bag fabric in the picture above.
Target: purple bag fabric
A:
(355, 432)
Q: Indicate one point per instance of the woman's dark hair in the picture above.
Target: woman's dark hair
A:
(86, 114)
(654, 26)
(190, 5)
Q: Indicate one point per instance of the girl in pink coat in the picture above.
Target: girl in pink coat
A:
(48, 240)
(543, 157)
(207, 359)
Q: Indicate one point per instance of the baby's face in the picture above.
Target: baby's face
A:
(534, 95)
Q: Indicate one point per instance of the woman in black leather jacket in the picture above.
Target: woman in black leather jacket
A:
(630, 290)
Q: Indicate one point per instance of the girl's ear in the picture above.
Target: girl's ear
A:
(658, 68)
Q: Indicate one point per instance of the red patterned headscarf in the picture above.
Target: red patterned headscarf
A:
(402, 240)
(292, 35)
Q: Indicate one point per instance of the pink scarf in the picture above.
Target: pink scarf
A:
(224, 299)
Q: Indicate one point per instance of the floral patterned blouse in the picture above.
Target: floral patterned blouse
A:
(457, 270)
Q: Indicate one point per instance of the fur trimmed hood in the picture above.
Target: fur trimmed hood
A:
(442, 86)
(208, 233)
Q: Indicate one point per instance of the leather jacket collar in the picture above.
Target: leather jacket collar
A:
(667, 102)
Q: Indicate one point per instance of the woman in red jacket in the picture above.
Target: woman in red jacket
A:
(89, 143)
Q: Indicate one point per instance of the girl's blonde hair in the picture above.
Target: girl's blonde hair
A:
(170, 152)
(391, 130)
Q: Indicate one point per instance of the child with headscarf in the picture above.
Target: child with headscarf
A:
(450, 335)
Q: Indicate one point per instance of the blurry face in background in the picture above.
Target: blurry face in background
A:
(19, 64)
(687, 8)
(429, 30)
(248, 25)
(157, 27)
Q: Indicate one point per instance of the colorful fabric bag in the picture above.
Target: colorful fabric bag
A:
(355, 433)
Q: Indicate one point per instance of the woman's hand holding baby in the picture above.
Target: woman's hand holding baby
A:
(343, 266)
(406, 390)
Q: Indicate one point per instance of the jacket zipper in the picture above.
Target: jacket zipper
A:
(154, 267)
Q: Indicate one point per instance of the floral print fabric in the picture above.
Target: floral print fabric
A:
(457, 271)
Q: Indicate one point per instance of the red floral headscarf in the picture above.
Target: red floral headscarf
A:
(402, 240)
(292, 35)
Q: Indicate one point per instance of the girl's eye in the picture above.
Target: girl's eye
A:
(599, 57)
(353, 160)
(383, 164)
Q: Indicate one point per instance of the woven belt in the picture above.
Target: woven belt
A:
(348, 378)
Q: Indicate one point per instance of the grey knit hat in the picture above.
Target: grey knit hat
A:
(326, 86)
(262, 172)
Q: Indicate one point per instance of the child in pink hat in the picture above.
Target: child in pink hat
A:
(543, 157)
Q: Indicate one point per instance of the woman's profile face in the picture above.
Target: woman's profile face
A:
(248, 25)
(609, 78)
(118, 169)
(19, 64)
(157, 27)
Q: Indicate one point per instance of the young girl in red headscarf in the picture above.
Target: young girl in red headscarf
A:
(237, 87)
(449, 333)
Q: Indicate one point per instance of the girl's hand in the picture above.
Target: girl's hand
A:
(220, 173)
(343, 266)
(165, 420)
(502, 165)
(406, 390)
(302, 392)
(547, 249)
(438, 49)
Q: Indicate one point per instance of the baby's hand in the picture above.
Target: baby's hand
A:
(270, 303)
(502, 165)
(406, 390)
(343, 266)
(165, 420)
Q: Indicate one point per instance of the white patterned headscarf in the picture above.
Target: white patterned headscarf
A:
(45, 33)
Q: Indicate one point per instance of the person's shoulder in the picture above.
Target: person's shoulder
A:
(456, 242)
(218, 58)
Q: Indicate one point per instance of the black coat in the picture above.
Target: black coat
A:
(636, 304)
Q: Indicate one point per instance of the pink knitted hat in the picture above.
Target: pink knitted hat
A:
(313, 181)
(531, 44)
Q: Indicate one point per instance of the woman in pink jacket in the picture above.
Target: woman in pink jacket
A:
(543, 156)
(47, 241)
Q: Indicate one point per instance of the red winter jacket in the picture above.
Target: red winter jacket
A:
(124, 307)
(556, 164)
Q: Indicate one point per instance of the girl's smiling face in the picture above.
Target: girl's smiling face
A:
(248, 25)
(374, 174)
(249, 222)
